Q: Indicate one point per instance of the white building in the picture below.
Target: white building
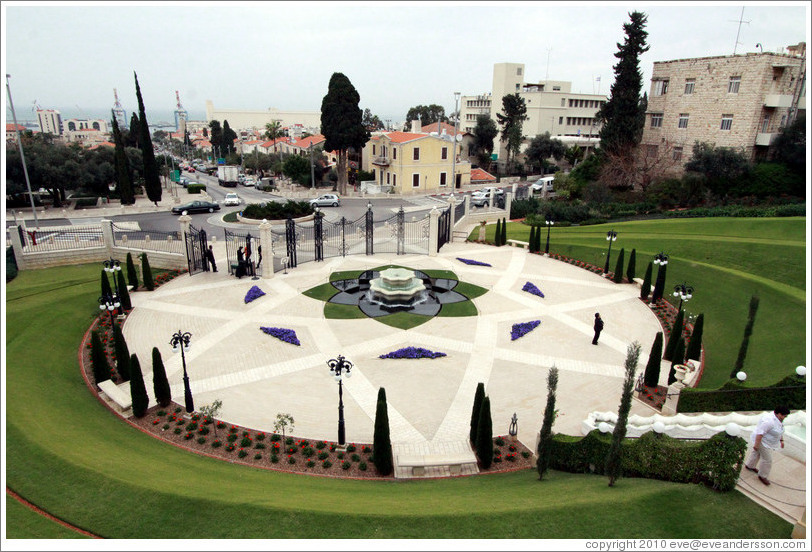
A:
(50, 121)
(301, 121)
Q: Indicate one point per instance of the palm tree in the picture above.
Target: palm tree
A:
(273, 130)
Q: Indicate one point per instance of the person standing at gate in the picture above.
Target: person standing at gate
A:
(210, 258)
(259, 252)
(240, 263)
(598, 327)
(249, 269)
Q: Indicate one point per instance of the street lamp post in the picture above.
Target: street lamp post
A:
(684, 292)
(549, 224)
(337, 366)
(454, 143)
(611, 236)
(109, 302)
(22, 154)
(180, 340)
(114, 267)
(660, 259)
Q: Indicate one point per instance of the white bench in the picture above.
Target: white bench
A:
(518, 243)
(419, 462)
(115, 394)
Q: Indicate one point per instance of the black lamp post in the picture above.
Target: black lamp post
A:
(660, 259)
(180, 340)
(109, 302)
(337, 366)
(549, 224)
(684, 292)
(611, 236)
(113, 267)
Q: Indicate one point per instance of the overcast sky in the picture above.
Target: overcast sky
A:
(255, 55)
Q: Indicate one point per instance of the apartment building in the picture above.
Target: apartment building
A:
(737, 101)
(50, 121)
(552, 107)
(298, 122)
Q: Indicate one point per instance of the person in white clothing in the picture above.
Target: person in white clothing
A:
(766, 437)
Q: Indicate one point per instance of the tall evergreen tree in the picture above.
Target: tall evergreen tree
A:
(617, 277)
(503, 234)
(679, 353)
(342, 123)
(98, 358)
(479, 394)
(228, 137)
(133, 137)
(149, 283)
(651, 376)
(106, 290)
(381, 443)
(531, 241)
(538, 239)
(645, 289)
(132, 274)
(160, 384)
(511, 119)
(216, 137)
(484, 133)
(630, 270)
(674, 336)
(484, 435)
(122, 353)
(152, 182)
(659, 285)
(138, 390)
(122, 164)
(614, 458)
(622, 126)
(694, 350)
(497, 234)
(546, 433)
(748, 331)
(123, 293)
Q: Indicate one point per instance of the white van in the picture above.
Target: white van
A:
(543, 184)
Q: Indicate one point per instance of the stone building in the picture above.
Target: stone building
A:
(737, 101)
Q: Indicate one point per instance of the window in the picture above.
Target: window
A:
(416, 155)
(394, 153)
(689, 86)
(651, 151)
(442, 179)
(415, 180)
(373, 149)
(683, 120)
(556, 89)
(656, 120)
(394, 180)
(564, 100)
(387, 178)
(677, 153)
(765, 124)
(561, 120)
(660, 87)
(444, 154)
(733, 86)
(519, 71)
(727, 122)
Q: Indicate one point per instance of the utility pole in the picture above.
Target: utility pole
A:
(312, 168)
(22, 154)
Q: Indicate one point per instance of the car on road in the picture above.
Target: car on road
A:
(326, 200)
(196, 207)
(249, 181)
(232, 199)
(183, 181)
(543, 184)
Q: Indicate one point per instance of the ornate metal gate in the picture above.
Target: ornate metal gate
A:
(196, 246)
(443, 228)
(236, 241)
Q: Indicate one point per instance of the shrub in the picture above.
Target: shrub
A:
(674, 336)
(123, 292)
(122, 353)
(178, 431)
(546, 433)
(307, 452)
(503, 233)
(216, 443)
(618, 275)
(479, 394)
(630, 269)
(201, 440)
(497, 234)
(310, 463)
(645, 289)
(257, 456)
(652, 373)
(499, 441)
(323, 455)
(195, 188)
(242, 453)
(160, 384)
(275, 438)
(351, 448)
(191, 426)
(259, 446)
(132, 274)
(326, 464)
(232, 437)
(274, 459)
(138, 392)
(355, 457)
(245, 442)
(149, 283)
(98, 358)
(362, 466)
(339, 455)
(695, 344)
(382, 445)
(320, 445)
(484, 435)
(790, 391)
(276, 211)
(345, 465)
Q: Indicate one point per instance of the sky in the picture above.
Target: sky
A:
(257, 55)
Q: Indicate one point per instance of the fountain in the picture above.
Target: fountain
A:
(396, 287)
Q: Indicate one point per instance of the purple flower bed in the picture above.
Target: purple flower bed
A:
(288, 336)
(253, 293)
(412, 352)
(519, 330)
(472, 262)
(530, 288)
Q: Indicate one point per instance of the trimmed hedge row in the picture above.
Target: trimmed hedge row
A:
(276, 211)
(195, 188)
(791, 210)
(715, 462)
(737, 397)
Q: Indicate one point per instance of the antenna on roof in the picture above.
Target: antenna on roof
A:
(740, 29)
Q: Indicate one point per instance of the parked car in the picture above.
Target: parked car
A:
(183, 181)
(480, 199)
(543, 184)
(498, 191)
(326, 200)
(232, 199)
(196, 207)
(249, 181)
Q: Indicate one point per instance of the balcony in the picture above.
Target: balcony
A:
(766, 138)
(778, 100)
(381, 161)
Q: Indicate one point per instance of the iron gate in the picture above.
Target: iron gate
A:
(196, 246)
(443, 228)
(243, 247)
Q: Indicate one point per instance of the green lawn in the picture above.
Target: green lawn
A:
(70, 456)
(726, 260)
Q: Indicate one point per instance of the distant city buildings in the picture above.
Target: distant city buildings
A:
(297, 122)
(50, 121)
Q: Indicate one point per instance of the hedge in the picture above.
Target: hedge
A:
(734, 396)
(195, 188)
(272, 210)
(715, 462)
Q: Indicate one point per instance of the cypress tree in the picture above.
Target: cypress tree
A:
(479, 394)
(497, 233)
(152, 182)
(98, 358)
(381, 444)
(106, 290)
(160, 384)
(123, 293)
(645, 289)
(618, 275)
(695, 345)
(652, 374)
(138, 391)
(538, 239)
(659, 285)
(503, 235)
(149, 283)
(122, 353)
(679, 350)
(122, 167)
(614, 458)
(531, 241)
(134, 134)
(748, 330)
(132, 274)
(630, 270)
(676, 334)
(546, 433)
(484, 435)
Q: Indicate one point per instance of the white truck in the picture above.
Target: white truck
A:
(228, 175)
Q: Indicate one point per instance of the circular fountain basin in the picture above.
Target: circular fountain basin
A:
(396, 285)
